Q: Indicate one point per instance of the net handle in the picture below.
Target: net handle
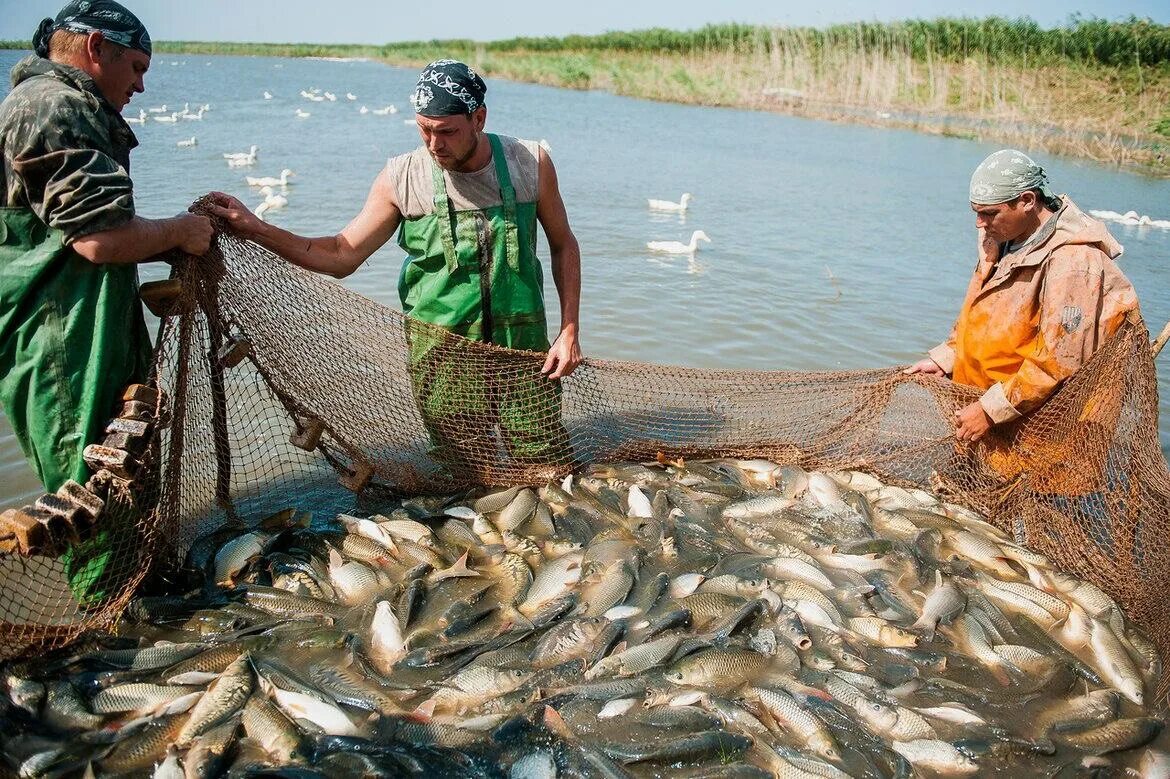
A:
(1157, 344)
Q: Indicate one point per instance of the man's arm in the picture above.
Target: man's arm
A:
(140, 239)
(565, 353)
(70, 180)
(336, 255)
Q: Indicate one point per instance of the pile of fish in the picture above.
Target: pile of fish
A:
(702, 618)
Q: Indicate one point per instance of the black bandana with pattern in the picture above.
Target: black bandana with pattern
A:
(112, 20)
(447, 88)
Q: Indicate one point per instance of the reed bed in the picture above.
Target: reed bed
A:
(1091, 89)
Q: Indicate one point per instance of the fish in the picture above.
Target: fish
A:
(710, 618)
(718, 668)
(939, 757)
(893, 722)
(1116, 736)
(711, 743)
(135, 696)
(223, 697)
(791, 716)
(1114, 663)
(386, 644)
(945, 602)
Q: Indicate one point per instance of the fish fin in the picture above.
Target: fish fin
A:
(424, 711)
(267, 688)
(516, 621)
(458, 569)
(335, 558)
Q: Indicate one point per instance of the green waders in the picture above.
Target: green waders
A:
(72, 336)
(475, 273)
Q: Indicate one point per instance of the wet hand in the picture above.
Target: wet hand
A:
(927, 366)
(563, 356)
(195, 234)
(238, 216)
(971, 423)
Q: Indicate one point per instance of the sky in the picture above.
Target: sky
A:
(385, 21)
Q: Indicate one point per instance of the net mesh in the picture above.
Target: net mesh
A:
(407, 408)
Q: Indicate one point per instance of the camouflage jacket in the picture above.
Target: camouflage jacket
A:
(64, 150)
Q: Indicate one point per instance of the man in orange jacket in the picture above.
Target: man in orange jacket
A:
(1045, 295)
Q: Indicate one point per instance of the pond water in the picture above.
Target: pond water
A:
(832, 246)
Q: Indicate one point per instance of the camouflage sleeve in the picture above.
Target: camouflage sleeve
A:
(71, 183)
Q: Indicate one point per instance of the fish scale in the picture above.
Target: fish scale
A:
(129, 697)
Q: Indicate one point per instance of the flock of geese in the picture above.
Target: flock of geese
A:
(1132, 218)
(315, 95)
(675, 247)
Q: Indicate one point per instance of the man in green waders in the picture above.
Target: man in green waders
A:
(468, 203)
(72, 334)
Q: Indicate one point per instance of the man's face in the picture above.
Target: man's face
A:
(1008, 221)
(119, 73)
(452, 140)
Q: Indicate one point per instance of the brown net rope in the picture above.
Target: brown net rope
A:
(417, 410)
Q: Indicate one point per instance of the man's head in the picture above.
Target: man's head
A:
(448, 101)
(1010, 196)
(102, 38)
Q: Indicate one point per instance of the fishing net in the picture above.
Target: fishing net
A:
(381, 405)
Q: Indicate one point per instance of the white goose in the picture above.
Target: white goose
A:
(1131, 218)
(195, 117)
(272, 202)
(267, 95)
(189, 142)
(331, 97)
(350, 96)
(667, 205)
(169, 118)
(270, 181)
(677, 247)
(140, 120)
(239, 155)
(302, 114)
(162, 109)
(383, 111)
(363, 110)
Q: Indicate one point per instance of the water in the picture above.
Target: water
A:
(834, 246)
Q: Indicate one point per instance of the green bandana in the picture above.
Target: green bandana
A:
(112, 20)
(1005, 175)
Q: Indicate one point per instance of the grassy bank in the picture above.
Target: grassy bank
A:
(1089, 88)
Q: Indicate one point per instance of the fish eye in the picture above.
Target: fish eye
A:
(877, 707)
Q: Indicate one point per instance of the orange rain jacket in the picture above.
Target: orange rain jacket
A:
(1031, 318)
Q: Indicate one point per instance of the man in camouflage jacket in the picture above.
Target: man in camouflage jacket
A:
(72, 333)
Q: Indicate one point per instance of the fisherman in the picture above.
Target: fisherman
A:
(467, 203)
(72, 333)
(1045, 296)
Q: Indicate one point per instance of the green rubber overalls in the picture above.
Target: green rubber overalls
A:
(475, 273)
(72, 336)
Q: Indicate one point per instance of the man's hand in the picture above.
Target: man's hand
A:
(971, 422)
(195, 233)
(563, 356)
(927, 366)
(238, 216)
